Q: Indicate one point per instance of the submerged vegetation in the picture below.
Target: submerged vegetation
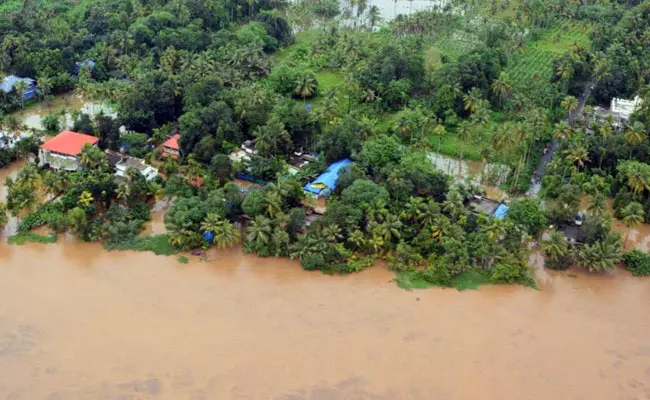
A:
(252, 87)
(31, 237)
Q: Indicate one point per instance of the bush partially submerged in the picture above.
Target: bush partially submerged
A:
(637, 262)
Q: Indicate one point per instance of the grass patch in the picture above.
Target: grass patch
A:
(157, 244)
(183, 260)
(31, 237)
(572, 275)
(305, 37)
(410, 280)
(328, 80)
(471, 280)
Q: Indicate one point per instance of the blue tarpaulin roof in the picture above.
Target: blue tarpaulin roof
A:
(326, 182)
(501, 211)
(10, 81)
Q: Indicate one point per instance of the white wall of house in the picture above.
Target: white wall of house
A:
(57, 161)
(171, 151)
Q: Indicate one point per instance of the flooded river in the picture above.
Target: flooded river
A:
(77, 322)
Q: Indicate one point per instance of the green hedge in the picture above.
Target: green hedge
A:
(637, 262)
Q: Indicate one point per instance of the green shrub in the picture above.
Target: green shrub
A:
(355, 264)
(506, 273)
(183, 260)
(313, 262)
(49, 214)
(637, 262)
(24, 237)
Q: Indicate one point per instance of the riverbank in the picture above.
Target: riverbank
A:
(77, 322)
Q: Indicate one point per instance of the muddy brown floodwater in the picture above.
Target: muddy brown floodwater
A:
(77, 322)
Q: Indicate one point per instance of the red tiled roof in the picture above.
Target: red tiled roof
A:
(172, 142)
(68, 142)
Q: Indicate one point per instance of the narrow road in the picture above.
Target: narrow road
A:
(536, 185)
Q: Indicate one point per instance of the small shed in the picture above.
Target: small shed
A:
(484, 205)
(325, 183)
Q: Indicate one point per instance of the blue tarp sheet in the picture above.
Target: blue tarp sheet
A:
(501, 211)
(9, 82)
(208, 236)
(326, 182)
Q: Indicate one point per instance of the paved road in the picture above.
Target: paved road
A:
(535, 186)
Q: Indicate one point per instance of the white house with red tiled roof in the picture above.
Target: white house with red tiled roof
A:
(63, 150)
(171, 147)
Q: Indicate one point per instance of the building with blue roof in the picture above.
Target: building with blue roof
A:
(325, 183)
(9, 83)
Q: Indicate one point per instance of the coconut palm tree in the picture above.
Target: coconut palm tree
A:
(501, 87)
(428, 213)
(30, 177)
(464, 132)
(481, 117)
(332, 233)
(637, 175)
(633, 214)
(374, 16)
(562, 130)
(635, 135)
(85, 198)
(597, 204)
(123, 191)
(496, 229)
(391, 228)
(260, 230)
(555, 246)
(377, 243)
(306, 85)
(91, 157)
(226, 234)
(453, 204)
(357, 239)
(21, 89)
(412, 208)
(439, 131)
(471, 99)
(45, 85)
(564, 70)
(601, 256)
(577, 154)
(569, 103)
(271, 138)
(211, 223)
(606, 130)
(272, 204)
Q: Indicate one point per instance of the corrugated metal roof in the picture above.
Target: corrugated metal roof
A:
(326, 182)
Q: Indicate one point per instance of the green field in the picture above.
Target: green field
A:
(536, 62)
(9, 5)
